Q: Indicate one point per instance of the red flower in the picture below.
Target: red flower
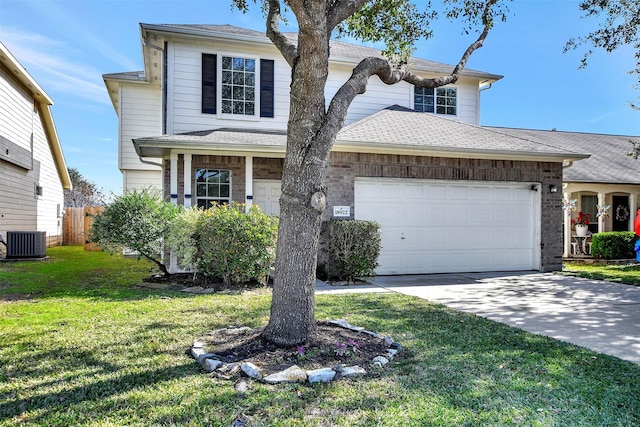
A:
(583, 218)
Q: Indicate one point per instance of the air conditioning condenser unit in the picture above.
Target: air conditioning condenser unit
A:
(26, 244)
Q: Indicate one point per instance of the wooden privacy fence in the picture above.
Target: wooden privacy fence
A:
(77, 223)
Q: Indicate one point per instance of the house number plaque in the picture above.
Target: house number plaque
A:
(341, 211)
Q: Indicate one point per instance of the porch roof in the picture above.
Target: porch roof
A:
(608, 162)
(394, 130)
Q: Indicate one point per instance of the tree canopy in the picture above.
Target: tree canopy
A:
(83, 192)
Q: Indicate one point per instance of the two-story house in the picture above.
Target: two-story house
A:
(33, 171)
(206, 122)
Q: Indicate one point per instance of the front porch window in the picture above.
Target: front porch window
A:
(213, 186)
(588, 205)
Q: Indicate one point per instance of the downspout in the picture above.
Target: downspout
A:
(481, 89)
(149, 162)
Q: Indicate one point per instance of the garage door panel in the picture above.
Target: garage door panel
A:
(459, 192)
(437, 192)
(414, 191)
(481, 193)
(448, 226)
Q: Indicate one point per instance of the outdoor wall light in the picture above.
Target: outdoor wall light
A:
(553, 188)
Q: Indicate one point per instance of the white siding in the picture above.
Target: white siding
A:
(140, 116)
(185, 80)
(20, 208)
(184, 76)
(380, 95)
(15, 111)
(49, 180)
(139, 179)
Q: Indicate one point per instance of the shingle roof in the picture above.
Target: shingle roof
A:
(405, 129)
(339, 50)
(392, 130)
(608, 162)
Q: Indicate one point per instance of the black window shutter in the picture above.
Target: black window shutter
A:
(209, 69)
(266, 88)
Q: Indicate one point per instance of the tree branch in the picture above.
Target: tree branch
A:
(289, 50)
(341, 10)
(357, 83)
(487, 22)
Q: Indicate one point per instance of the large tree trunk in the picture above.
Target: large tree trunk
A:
(311, 132)
(303, 197)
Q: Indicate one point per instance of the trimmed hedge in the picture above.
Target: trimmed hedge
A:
(614, 245)
(352, 247)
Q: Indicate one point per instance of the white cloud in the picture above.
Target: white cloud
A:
(50, 62)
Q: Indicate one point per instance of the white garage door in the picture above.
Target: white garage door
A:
(431, 226)
(266, 194)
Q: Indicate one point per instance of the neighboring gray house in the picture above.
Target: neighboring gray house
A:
(206, 121)
(609, 177)
(33, 172)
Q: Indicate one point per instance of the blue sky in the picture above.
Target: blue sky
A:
(66, 45)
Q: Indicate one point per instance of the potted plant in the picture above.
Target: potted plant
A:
(581, 224)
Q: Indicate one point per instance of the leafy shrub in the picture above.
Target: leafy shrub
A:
(229, 243)
(614, 245)
(353, 248)
(182, 238)
(138, 220)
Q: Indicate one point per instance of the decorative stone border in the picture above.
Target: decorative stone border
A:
(211, 362)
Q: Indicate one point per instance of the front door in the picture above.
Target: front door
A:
(620, 214)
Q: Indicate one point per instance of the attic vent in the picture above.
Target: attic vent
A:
(26, 244)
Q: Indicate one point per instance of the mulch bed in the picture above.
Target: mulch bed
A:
(331, 345)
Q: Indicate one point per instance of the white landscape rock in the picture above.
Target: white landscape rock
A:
(323, 375)
(350, 371)
(251, 370)
(380, 361)
(291, 374)
(211, 365)
(196, 352)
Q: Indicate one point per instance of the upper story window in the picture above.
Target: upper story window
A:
(441, 100)
(240, 87)
(213, 186)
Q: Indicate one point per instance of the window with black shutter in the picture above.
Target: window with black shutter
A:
(209, 84)
(266, 88)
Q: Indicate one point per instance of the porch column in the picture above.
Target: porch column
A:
(601, 218)
(173, 182)
(248, 179)
(187, 180)
(566, 220)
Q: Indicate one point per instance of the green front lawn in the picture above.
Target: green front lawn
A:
(629, 273)
(81, 345)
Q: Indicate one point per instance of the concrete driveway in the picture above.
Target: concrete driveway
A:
(602, 316)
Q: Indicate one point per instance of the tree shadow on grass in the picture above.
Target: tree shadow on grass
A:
(81, 387)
